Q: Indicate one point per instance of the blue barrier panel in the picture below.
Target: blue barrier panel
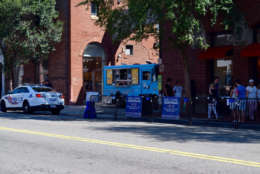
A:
(90, 111)
(133, 107)
(171, 108)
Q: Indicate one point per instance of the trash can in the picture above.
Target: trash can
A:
(147, 106)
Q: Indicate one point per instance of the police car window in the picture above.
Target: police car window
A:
(42, 89)
(16, 91)
(24, 90)
(146, 75)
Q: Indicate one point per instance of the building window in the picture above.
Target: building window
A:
(223, 70)
(94, 9)
(157, 28)
(129, 50)
(224, 39)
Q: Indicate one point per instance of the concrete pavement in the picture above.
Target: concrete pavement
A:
(42, 143)
(108, 112)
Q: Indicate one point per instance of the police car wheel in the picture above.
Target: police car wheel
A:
(26, 107)
(55, 112)
(3, 107)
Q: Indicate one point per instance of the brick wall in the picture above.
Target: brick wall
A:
(59, 60)
(142, 52)
(202, 70)
(84, 31)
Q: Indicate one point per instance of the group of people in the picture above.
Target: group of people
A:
(173, 91)
(243, 100)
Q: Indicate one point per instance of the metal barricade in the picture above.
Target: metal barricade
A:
(189, 108)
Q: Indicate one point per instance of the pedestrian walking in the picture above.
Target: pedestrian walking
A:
(258, 97)
(168, 88)
(241, 94)
(216, 87)
(212, 101)
(177, 89)
(251, 93)
(233, 104)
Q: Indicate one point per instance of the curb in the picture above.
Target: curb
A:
(195, 122)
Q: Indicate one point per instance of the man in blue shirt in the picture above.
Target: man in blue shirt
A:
(241, 94)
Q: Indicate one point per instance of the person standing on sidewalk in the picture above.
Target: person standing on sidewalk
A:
(241, 94)
(233, 103)
(168, 88)
(258, 97)
(212, 101)
(216, 86)
(177, 89)
(251, 93)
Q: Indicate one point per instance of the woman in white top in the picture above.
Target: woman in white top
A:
(177, 89)
(251, 92)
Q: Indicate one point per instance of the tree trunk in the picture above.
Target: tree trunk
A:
(16, 75)
(187, 84)
(39, 74)
(186, 68)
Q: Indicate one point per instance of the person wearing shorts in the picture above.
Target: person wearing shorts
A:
(233, 103)
(241, 94)
(258, 96)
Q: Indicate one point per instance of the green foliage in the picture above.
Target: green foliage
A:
(136, 18)
(29, 30)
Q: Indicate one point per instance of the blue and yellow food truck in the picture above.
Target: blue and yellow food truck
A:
(131, 80)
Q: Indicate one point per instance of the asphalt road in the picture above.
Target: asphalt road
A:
(46, 144)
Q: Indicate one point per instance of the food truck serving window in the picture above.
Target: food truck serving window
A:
(122, 77)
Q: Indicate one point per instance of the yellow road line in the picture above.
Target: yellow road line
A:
(145, 148)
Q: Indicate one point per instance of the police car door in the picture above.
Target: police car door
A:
(13, 98)
(24, 93)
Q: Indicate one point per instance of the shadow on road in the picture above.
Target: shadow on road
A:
(185, 133)
(163, 132)
(45, 116)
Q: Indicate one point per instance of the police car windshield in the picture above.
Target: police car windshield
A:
(42, 89)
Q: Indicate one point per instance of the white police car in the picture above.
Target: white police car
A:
(31, 98)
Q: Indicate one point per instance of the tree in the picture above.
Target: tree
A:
(137, 19)
(9, 17)
(29, 31)
(42, 30)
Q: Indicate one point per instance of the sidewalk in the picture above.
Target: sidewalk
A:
(103, 111)
(107, 112)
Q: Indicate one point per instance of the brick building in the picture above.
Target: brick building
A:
(228, 57)
(77, 62)
(85, 48)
